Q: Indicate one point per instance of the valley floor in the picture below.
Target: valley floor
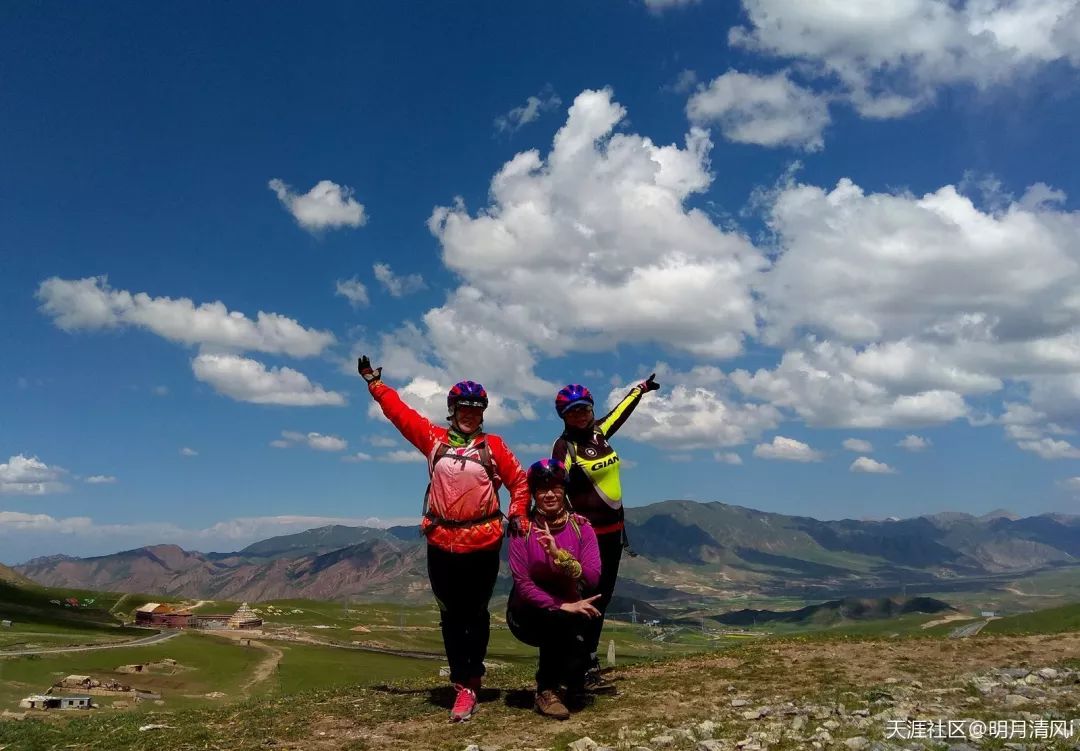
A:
(849, 693)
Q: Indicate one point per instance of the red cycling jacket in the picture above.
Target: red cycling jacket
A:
(462, 505)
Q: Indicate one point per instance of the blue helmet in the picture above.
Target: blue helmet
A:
(571, 396)
(545, 473)
(466, 394)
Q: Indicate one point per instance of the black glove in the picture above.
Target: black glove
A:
(363, 366)
(517, 525)
(649, 384)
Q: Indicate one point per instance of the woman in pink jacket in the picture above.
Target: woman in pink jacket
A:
(554, 564)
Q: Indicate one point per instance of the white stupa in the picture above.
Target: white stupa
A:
(244, 617)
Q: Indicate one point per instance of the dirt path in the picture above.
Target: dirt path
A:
(264, 669)
(948, 619)
(1016, 591)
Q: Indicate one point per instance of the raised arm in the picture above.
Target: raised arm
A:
(413, 426)
(614, 419)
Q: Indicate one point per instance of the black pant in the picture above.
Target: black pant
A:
(462, 584)
(610, 545)
(561, 639)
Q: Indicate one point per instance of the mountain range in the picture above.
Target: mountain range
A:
(684, 550)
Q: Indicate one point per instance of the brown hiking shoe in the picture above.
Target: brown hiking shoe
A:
(550, 705)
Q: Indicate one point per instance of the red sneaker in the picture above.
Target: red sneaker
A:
(464, 704)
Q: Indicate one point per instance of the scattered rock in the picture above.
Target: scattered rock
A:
(1014, 673)
(584, 744)
(1048, 674)
(710, 745)
(705, 729)
(154, 726)
(663, 741)
(858, 743)
(1016, 700)
(739, 702)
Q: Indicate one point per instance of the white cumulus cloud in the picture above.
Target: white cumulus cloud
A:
(684, 415)
(864, 464)
(546, 101)
(892, 57)
(248, 380)
(398, 286)
(326, 206)
(858, 445)
(727, 457)
(316, 441)
(91, 304)
(914, 443)
(787, 449)
(658, 6)
(187, 451)
(354, 291)
(607, 209)
(895, 309)
(768, 110)
(401, 456)
(356, 458)
(28, 475)
(100, 480)
(1050, 448)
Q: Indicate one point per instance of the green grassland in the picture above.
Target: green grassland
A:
(45, 618)
(213, 665)
(1047, 621)
(265, 672)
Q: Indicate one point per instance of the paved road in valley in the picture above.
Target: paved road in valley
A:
(144, 642)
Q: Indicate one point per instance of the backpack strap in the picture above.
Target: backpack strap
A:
(485, 460)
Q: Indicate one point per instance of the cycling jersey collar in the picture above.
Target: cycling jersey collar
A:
(581, 435)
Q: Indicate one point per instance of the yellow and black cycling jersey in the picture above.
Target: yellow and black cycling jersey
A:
(594, 488)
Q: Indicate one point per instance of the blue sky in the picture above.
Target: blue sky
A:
(847, 240)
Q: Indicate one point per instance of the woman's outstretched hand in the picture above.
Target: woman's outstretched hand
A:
(369, 374)
(582, 607)
(650, 384)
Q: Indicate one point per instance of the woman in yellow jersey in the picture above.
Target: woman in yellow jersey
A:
(594, 489)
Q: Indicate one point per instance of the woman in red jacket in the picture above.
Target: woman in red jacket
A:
(462, 520)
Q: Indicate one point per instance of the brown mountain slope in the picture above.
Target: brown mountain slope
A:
(12, 576)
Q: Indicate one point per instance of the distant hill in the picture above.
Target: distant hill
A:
(32, 604)
(837, 611)
(11, 576)
(686, 549)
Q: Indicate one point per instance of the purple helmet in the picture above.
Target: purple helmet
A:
(572, 396)
(545, 473)
(466, 394)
